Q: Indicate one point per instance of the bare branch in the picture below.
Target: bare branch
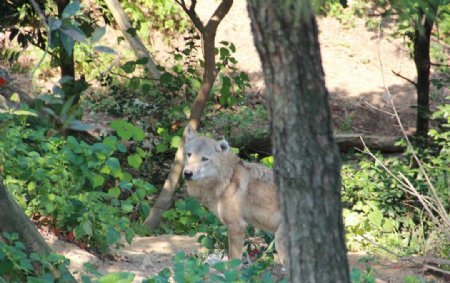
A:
(434, 268)
(218, 15)
(443, 225)
(192, 14)
(439, 65)
(424, 260)
(405, 78)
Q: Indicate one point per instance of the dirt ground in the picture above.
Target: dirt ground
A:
(149, 255)
(354, 79)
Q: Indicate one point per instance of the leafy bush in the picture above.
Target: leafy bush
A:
(83, 187)
(191, 269)
(379, 210)
(17, 266)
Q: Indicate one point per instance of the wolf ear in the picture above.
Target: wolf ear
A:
(223, 146)
(191, 133)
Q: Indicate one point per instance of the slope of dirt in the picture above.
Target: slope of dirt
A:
(351, 60)
(145, 257)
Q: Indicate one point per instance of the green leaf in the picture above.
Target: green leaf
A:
(129, 235)
(117, 277)
(105, 49)
(71, 9)
(125, 185)
(112, 236)
(67, 43)
(161, 147)
(138, 133)
(24, 113)
(232, 48)
(15, 97)
(376, 217)
(114, 165)
(54, 23)
(166, 78)
(77, 125)
(175, 142)
(142, 61)
(135, 161)
(144, 209)
(97, 180)
(86, 225)
(114, 192)
(127, 207)
(97, 34)
(124, 129)
(73, 32)
(224, 52)
(129, 67)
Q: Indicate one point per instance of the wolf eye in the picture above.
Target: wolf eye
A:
(189, 154)
(204, 159)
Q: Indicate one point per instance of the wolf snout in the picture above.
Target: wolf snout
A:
(188, 174)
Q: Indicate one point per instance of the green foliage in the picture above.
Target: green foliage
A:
(17, 266)
(359, 276)
(161, 15)
(190, 217)
(83, 187)
(191, 269)
(233, 83)
(117, 277)
(376, 207)
(343, 14)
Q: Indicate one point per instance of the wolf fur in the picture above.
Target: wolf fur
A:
(237, 192)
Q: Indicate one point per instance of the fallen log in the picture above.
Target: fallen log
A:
(346, 142)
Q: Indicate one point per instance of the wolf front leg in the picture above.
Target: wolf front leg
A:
(236, 235)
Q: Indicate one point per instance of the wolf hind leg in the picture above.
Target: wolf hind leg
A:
(281, 246)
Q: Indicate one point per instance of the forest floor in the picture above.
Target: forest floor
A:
(351, 59)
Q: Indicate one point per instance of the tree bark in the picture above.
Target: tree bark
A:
(422, 37)
(307, 163)
(135, 42)
(14, 220)
(67, 62)
(208, 34)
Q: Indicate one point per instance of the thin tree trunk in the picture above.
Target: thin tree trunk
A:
(14, 220)
(307, 165)
(133, 39)
(208, 33)
(422, 36)
(67, 61)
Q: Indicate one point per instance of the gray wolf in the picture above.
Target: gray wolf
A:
(237, 192)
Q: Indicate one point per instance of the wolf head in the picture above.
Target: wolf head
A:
(201, 156)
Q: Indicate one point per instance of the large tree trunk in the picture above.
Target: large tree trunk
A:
(208, 33)
(135, 42)
(307, 164)
(422, 36)
(14, 220)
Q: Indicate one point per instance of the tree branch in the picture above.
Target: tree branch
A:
(135, 42)
(405, 78)
(164, 199)
(192, 14)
